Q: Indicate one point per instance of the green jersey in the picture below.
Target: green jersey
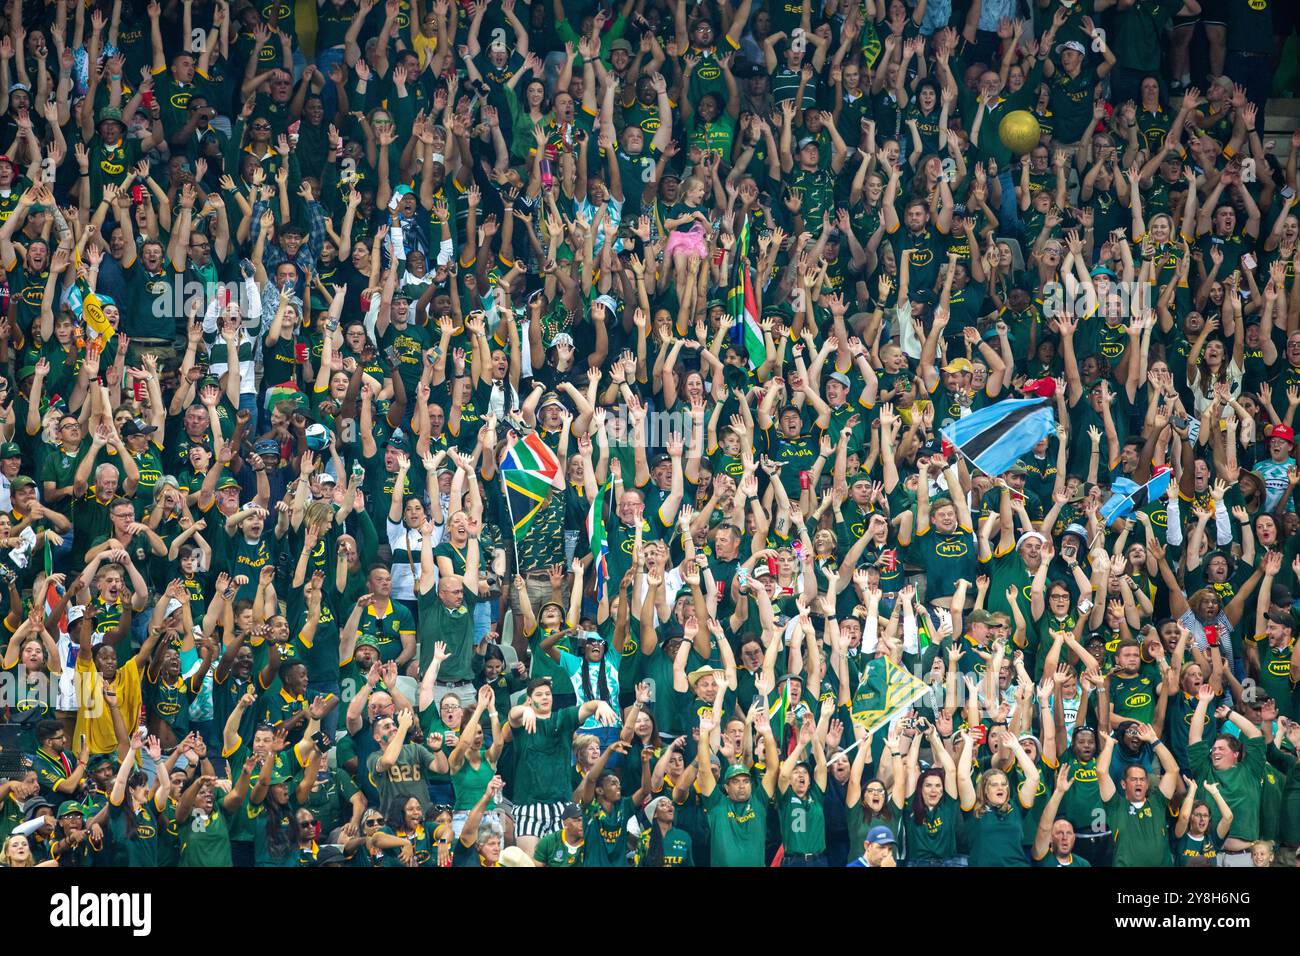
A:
(204, 839)
(605, 835)
(945, 558)
(737, 830)
(1141, 831)
(1134, 698)
(554, 850)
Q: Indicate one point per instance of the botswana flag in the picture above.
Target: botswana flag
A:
(995, 436)
(1127, 497)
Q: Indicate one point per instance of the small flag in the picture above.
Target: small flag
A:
(995, 436)
(528, 472)
(885, 689)
(596, 534)
(923, 639)
(92, 311)
(742, 303)
(778, 706)
(1127, 496)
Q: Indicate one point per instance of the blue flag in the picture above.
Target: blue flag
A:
(994, 437)
(1127, 497)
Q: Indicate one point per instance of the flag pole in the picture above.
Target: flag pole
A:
(514, 544)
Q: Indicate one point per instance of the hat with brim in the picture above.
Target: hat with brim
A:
(22, 481)
(735, 770)
(694, 676)
(881, 836)
(330, 855)
(134, 426)
(35, 805)
(10, 449)
(68, 807)
(109, 113)
(1074, 45)
(959, 365)
(227, 482)
(279, 776)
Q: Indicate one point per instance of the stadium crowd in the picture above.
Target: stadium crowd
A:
(560, 434)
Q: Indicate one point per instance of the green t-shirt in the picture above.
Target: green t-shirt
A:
(803, 822)
(935, 837)
(543, 757)
(455, 628)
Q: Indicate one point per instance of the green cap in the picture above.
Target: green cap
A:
(367, 640)
(278, 775)
(227, 482)
(981, 616)
(10, 449)
(26, 370)
(22, 481)
(110, 113)
(735, 770)
(70, 806)
(98, 759)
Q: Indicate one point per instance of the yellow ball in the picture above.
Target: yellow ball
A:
(1019, 131)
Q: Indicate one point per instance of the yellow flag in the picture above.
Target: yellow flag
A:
(92, 310)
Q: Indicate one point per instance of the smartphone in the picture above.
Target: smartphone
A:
(1070, 550)
(1287, 192)
(1248, 260)
(1211, 635)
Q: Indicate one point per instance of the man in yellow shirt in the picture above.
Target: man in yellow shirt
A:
(96, 668)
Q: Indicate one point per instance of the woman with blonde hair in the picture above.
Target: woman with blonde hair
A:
(17, 853)
(994, 824)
